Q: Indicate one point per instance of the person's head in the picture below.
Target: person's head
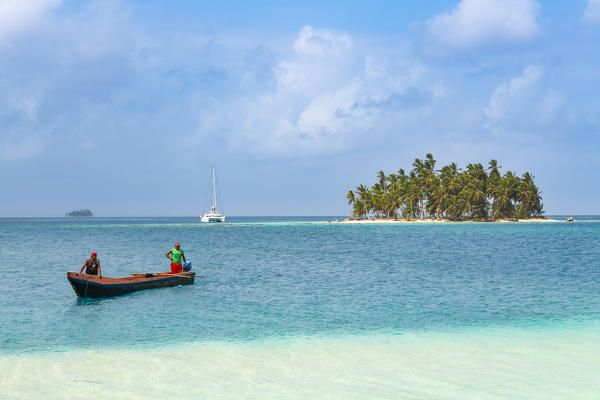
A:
(177, 245)
(94, 255)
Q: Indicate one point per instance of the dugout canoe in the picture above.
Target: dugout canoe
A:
(86, 285)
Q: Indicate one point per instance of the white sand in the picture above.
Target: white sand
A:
(486, 364)
(441, 221)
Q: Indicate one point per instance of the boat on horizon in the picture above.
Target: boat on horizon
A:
(94, 286)
(213, 215)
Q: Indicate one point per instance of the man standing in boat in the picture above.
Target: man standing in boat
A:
(175, 255)
(92, 265)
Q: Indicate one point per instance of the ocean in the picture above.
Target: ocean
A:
(299, 308)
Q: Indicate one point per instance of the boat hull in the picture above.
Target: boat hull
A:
(92, 286)
(213, 218)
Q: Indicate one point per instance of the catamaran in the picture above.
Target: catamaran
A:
(213, 215)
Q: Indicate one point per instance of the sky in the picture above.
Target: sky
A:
(123, 106)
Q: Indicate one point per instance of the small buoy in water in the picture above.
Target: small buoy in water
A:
(570, 219)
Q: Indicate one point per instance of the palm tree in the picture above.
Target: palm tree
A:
(449, 192)
(359, 209)
(528, 197)
(363, 192)
(350, 197)
(494, 168)
(430, 163)
(425, 172)
(381, 177)
(412, 196)
(475, 187)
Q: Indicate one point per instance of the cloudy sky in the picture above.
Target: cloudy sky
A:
(123, 106)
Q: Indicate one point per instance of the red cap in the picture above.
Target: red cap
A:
(177, 244)
(94, 254)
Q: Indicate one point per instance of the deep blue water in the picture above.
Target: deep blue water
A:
(288, 276)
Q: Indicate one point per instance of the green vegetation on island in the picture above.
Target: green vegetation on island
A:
(475, 193)
(84, 212)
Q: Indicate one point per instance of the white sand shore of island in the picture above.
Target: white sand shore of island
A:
(439, 221)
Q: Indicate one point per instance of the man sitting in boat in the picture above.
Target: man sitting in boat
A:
(175, 255)
(92, 265)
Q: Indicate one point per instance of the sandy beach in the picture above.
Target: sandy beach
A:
(439, 221)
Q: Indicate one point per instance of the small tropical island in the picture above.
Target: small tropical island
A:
(84, 212)
(450, 194)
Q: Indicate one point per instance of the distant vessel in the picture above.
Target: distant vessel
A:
(84, 212)
(213, 215)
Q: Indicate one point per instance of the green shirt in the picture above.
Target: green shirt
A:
(176, 255)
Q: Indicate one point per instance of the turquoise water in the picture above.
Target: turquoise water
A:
(307, 308)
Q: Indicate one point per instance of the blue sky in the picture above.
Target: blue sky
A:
(123, 106)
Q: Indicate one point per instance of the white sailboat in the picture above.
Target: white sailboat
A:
(213, 215)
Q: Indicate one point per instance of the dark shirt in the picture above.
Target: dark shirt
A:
(91, 266)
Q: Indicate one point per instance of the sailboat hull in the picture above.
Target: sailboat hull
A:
(213, 218)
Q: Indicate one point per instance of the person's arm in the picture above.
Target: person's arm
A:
(99, 271)
(82, 267)
(183, 256)
(168, 255)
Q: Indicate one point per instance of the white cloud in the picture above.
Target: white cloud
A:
(18, 15)
(321, 42)
(523, 100)
(326, 94)
(510, 96)
(476, 23)
(592, 12)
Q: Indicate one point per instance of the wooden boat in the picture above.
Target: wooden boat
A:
(86, 285)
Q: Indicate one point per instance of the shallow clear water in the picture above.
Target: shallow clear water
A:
(290, 304)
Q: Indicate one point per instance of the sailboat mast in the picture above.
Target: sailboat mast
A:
(214, 207)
